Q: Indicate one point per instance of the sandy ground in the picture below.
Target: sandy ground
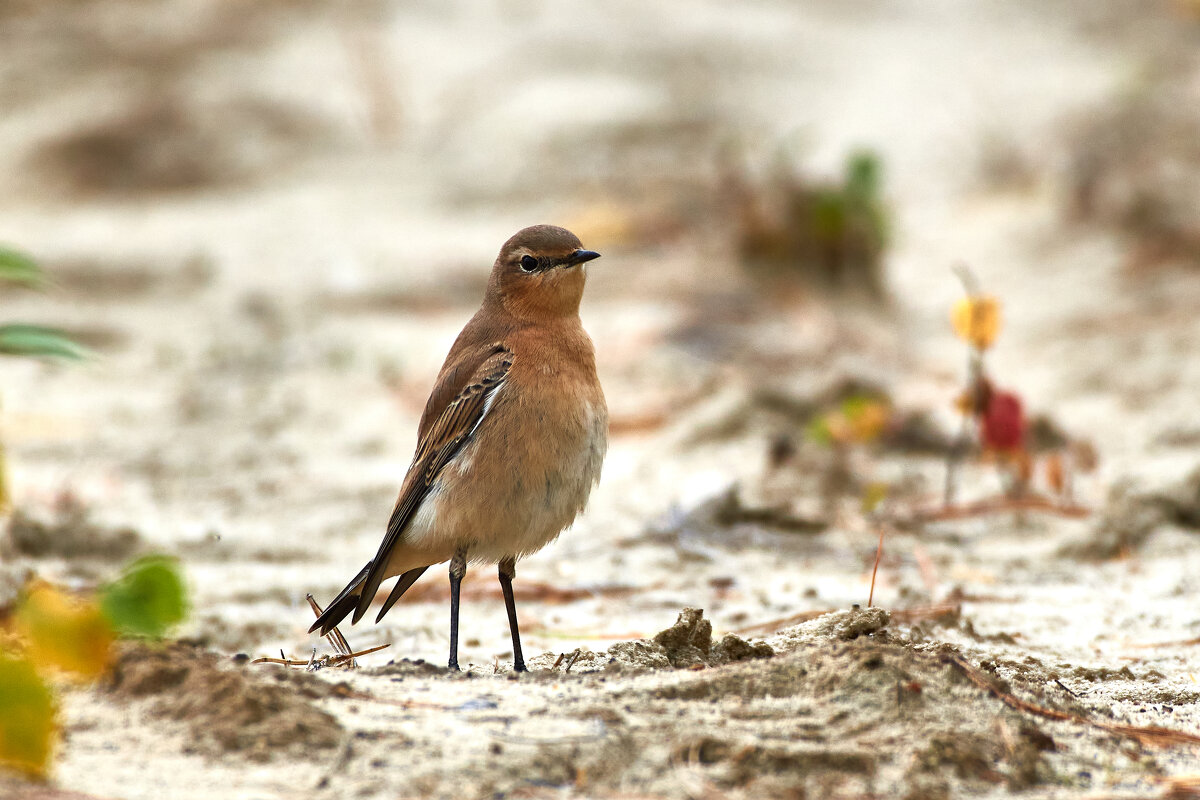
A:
(271, 219)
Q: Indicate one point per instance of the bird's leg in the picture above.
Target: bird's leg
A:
(458, 568)
(508, 571)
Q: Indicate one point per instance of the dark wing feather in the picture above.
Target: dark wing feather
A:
(450, 429)
(342, 605)
(402, 585)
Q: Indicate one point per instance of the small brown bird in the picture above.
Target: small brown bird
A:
(511, 440)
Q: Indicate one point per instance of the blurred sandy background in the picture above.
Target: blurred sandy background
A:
(269, 220)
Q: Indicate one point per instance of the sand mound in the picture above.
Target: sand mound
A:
(70, 535)
(228, 709)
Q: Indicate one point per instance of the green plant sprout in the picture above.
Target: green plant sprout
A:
(29, 341)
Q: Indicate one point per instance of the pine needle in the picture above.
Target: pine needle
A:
(875, 570)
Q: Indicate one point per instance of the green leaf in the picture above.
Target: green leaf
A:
(863, 173)
(39, 342)
(19, 268)
(818, 430)
(854, 405)
(147, 599)
(28, 717)
(829, 215)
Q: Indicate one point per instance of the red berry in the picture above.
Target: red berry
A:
(1003, 424)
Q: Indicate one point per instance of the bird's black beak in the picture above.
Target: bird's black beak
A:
(580, 257)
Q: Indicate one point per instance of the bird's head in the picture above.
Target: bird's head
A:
(540, 273)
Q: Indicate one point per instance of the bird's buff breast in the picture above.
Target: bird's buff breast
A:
(523, 478)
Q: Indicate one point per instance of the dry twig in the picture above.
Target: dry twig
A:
(1176, 643)
(570, 658)
(1182, 787)
(344, 656)
(324, 662)
(898, 615)
(1151, 735)
(918, 613)
(875, 569)
(475, 588)
(995, 505)
(766, 628)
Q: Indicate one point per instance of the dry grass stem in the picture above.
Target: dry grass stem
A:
(875, 569)
(996, 505)
(343, 657)
(324, 662)
(1149, 735)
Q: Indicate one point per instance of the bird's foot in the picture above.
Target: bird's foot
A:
(453, 665)
(519, 665)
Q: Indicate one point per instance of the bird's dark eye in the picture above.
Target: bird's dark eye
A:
(528, 263)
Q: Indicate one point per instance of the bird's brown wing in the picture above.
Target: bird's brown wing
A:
(467, 388)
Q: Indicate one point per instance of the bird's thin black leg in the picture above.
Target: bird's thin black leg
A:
(508, 570)
(458, 568)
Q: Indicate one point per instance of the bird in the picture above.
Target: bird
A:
(511, 441)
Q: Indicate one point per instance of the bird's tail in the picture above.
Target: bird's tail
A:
(342, 605)
(347, 599)
(406, 580)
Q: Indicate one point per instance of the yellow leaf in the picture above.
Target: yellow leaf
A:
(65, 633)
(28, 718)
(868, 420)
(976, 320)
(874, 494)
(858, 420)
